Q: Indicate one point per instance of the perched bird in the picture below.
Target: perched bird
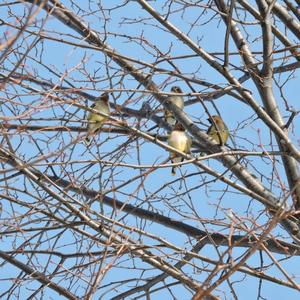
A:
(219, 134)
(95, 121)
(176, 100)
(180, 141)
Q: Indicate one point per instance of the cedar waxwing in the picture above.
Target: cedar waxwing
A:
(176, 100)
(95, 121)
(180, 141)
(221, 129)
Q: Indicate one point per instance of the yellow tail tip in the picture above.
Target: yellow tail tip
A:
(87, 141)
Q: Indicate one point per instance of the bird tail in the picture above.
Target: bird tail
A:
(170, 120)
(173, 172)
(87, 140)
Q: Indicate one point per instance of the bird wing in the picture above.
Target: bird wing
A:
(188, 144)
(223, 132)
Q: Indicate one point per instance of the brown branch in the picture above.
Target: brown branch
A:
(38, 276)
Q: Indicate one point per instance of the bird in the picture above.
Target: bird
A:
(218, 130)
(176, 100)
(95, 121)
(179, 140)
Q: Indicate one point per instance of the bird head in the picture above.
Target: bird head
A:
(176, 89)
(215, 118)
(179, 127)
(104, 97)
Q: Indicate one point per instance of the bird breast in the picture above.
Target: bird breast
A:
(101, 107)
(178, 140)
(177, 100)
